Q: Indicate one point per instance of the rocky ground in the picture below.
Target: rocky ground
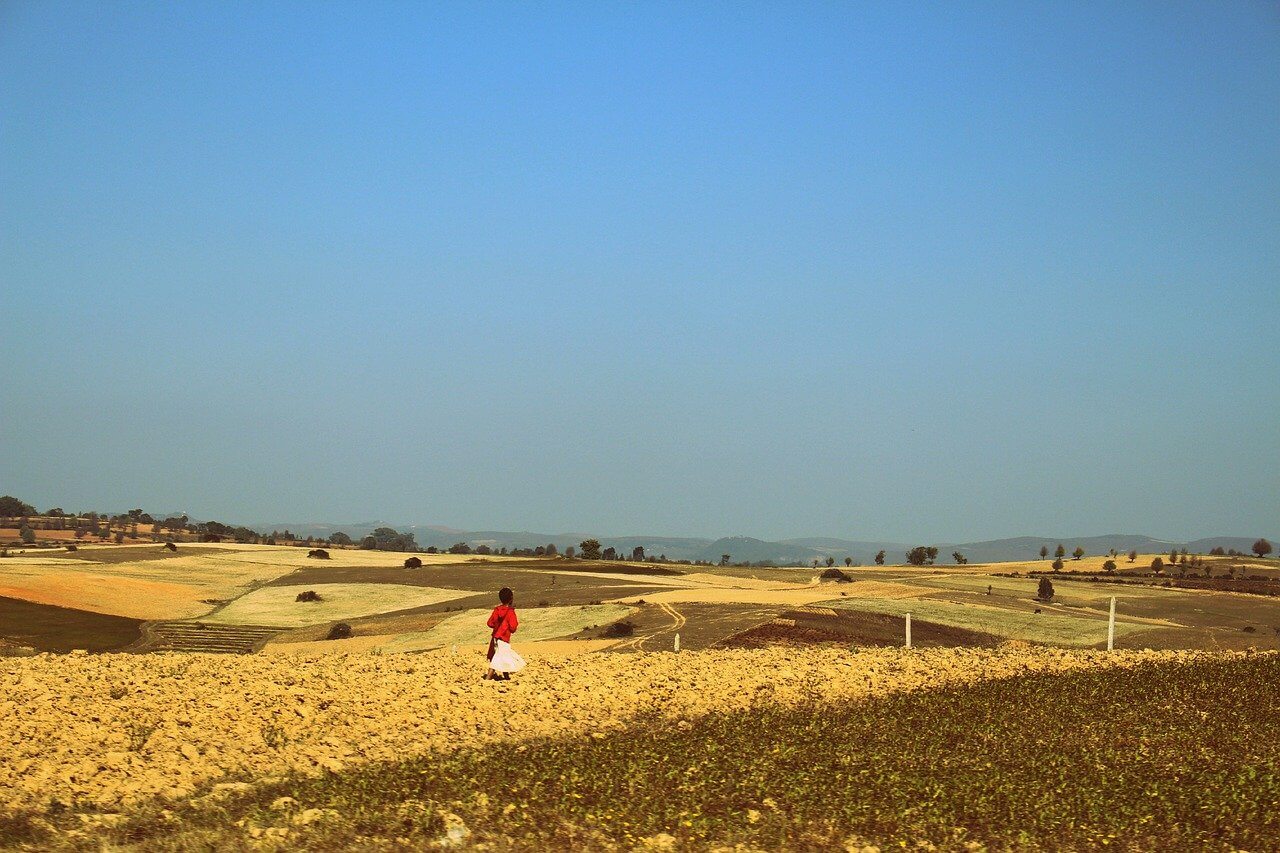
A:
(111, 731)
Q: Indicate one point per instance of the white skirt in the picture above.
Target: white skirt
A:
(505, 658)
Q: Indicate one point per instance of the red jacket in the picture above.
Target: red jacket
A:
(503, 622)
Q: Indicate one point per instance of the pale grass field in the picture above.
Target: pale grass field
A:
(277, 605)
(537, 623)
(1046, 627)
(1065, 591)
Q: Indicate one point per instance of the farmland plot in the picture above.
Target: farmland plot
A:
(278, 605)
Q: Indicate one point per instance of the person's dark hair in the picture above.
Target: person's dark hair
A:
(505, 595)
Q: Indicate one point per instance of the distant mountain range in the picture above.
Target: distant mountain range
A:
(744, 548)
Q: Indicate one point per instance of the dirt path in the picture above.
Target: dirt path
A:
(640, 644)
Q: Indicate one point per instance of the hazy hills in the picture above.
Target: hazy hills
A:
(744, 548)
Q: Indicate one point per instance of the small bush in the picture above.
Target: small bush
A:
(170, 546)
(318, 554)
(72, 548)
(834, 574)
(413, 563)
(340, 631)
(621, 628)
(309, 595)
(1249, 629)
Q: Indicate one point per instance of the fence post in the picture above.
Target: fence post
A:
(1111, 626)
(908, 630)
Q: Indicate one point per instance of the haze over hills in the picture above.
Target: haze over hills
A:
(749, 549)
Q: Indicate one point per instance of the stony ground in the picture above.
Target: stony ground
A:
(113, 730)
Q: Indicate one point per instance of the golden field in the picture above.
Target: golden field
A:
(113, 729)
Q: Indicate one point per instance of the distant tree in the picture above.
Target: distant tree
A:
(932, 554)
(1045, 591)
(13, 508)
(432, 549)
(368, 543)
(917, 555)
(724, 559)
(1133, 555)
(959, 558)
(848, 561)
(484, 550)
(637, 554)
(460, 548)
(880, 558)
(135, 514)
(551, 550)
(1059, 552)
(831, 561)
(1157, 565)
(1044, 551)
(27, 534)
(609, 553)
(1057, 564)
(340, 538)
(590, 549)
(539, 551)
(1077, 553)
(1109, 567)
(569, 552)
(1173, 557)
(119, 537)
(56, 512)
(1262, 548)
(271, 540)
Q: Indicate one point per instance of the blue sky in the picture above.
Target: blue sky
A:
(950, 271)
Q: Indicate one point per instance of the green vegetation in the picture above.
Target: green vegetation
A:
(1137, 768)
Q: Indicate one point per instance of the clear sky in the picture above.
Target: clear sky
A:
(920, 272)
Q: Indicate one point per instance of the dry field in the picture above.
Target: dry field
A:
(444, 601)
(114, 729)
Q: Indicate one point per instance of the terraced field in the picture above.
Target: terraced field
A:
(205, 637)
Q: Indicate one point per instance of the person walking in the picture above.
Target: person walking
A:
(503, 660)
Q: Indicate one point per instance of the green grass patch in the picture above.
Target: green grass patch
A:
(1175, 756)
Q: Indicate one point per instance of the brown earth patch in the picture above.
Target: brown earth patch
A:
(810, 627)
(61, 629)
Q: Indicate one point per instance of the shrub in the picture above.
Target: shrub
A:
(1057, 564)
(72, 548)
(318, 554)
(340, 631)
(28, 535)
(621, 628)
(413, 563)
(1045, 590)
(170, 546)
(1109, 566)
(309, 595)
(834, 574)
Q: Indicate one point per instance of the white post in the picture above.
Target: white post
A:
(908, 630)
(1111, 626)
(677, 641)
